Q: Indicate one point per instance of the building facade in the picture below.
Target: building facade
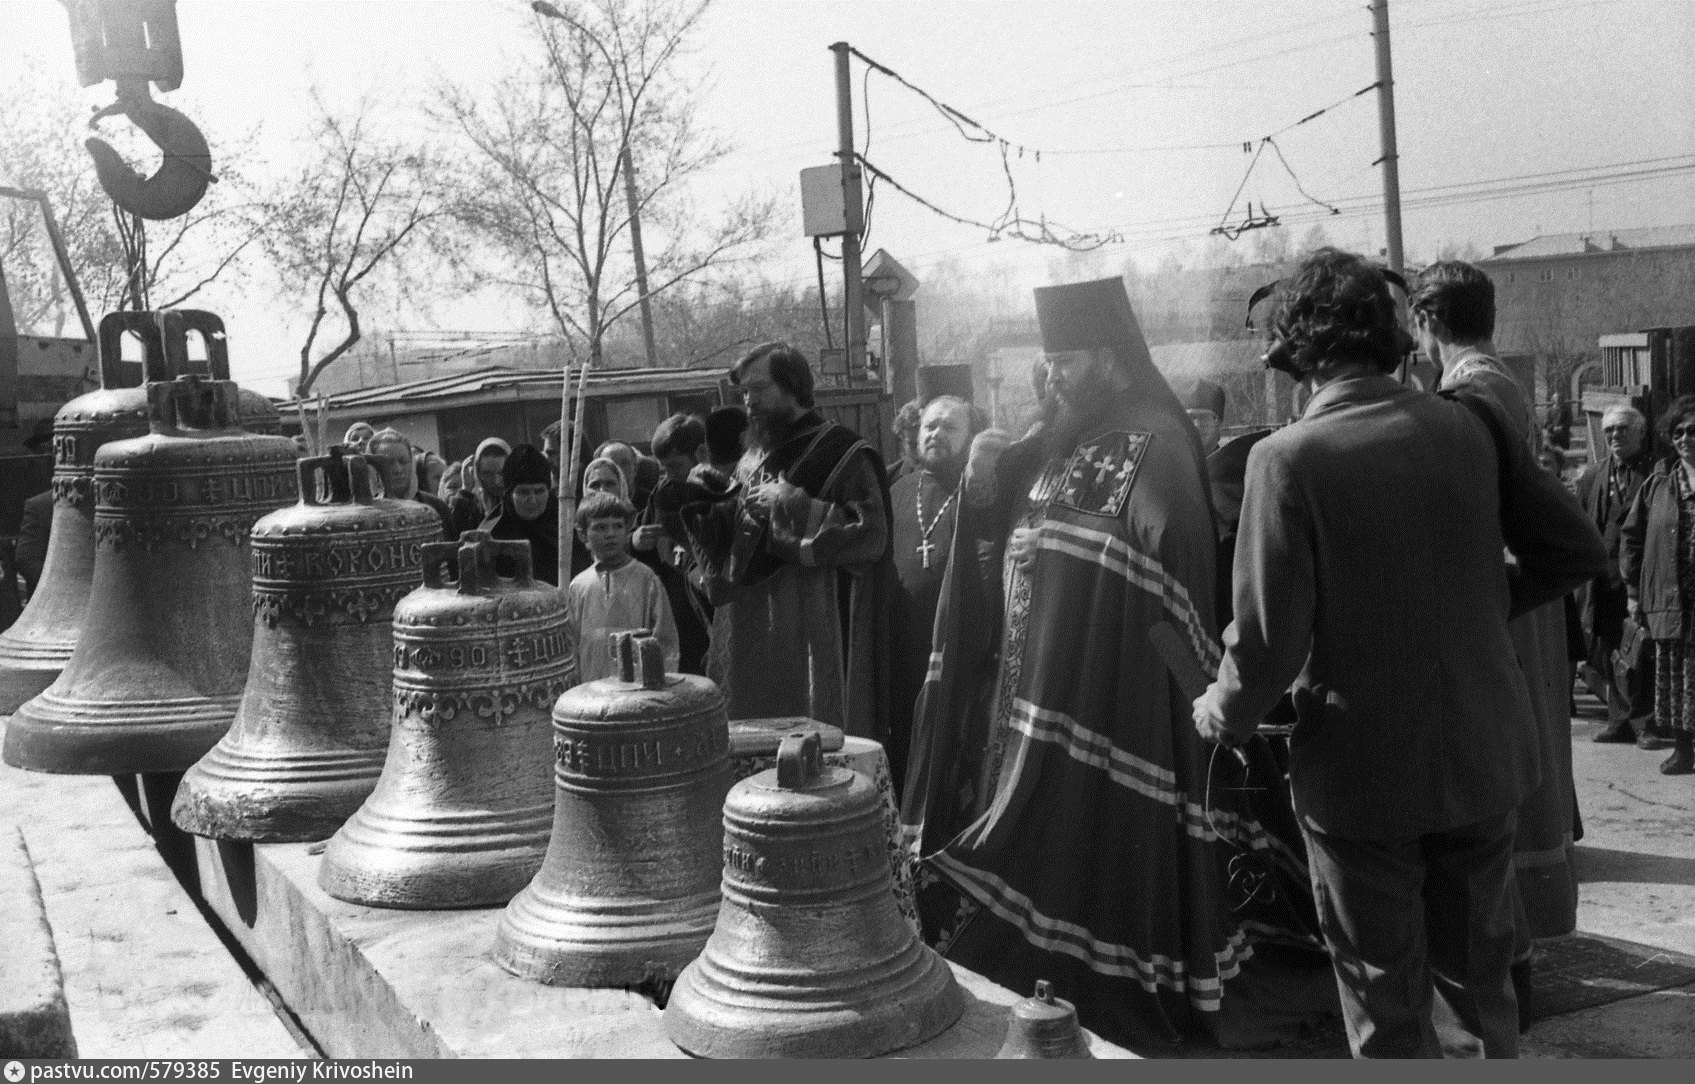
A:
(1556, 295)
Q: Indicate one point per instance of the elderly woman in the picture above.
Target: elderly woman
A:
(604, 475)
(1657, 558)
(452, 479)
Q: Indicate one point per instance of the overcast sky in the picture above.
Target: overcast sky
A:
(1138, 107)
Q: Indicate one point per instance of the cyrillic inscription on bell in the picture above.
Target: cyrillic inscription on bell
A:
(157, 674)
(629, 892)
(810, 957)
(312, 731)
(461, 813)
(39, 644)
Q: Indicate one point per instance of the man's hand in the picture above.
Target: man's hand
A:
(986, 449)
(1209, 718)
(1021, 547)
(1635, 609)
(768, 495)
(646, 536)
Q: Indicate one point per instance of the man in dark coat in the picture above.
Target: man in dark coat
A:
(1608, 489)
(1370, 576)
(924, 501)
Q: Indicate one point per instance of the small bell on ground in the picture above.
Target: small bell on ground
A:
(629, 891)
(311, 734)
(1043, 1026)
(159, 668)
(810, 957)
(461, 814)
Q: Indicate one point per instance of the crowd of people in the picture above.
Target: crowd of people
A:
(1219, 738)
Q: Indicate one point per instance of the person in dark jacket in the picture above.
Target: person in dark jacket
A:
(1659, 574)
(1370, 577)
(1608, 490)
(530, 511)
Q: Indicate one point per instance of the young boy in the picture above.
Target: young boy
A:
(616, 593)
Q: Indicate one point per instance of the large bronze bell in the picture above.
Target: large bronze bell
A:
(312, 731)
(461, 813)
(1044, 1026)
(157, 674)
(629, 891)
(810, 958)
(37, 647)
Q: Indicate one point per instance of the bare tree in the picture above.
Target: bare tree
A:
(358, 206)
(41, 137)
(591, 129)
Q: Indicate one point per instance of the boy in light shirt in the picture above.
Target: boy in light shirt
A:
(617, 593)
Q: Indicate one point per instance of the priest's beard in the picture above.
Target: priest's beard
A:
(764, 430)
(1067, 416)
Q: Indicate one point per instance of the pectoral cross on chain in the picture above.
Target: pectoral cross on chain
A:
(925, 549)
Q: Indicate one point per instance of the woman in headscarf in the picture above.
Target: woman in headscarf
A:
(482, 500)
(605, 475)
(529, 511)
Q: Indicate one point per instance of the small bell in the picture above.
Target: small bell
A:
(1044, 1026)
(810, 957)
(628, 893)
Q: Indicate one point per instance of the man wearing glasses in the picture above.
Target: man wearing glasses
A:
(1608, 490)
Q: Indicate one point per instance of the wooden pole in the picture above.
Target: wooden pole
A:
(1386, 129)
(853, 315)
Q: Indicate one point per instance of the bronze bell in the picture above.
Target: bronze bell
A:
(157, 674)
(39, 644)
(1043, 1026)
(811, 957)
(310, 736)
(629, 891)
(461, 813)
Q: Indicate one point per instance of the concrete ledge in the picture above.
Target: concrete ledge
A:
(367, 982)
(144, 974)
(35, 1021)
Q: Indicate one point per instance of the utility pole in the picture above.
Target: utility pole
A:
(628, 165)
(853, 314)
(1386, 128)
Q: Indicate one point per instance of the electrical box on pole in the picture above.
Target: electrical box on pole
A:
(822, 210)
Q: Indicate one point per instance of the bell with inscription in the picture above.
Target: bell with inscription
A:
(629, 891)
(461, 813)
(312, 731)
(39, 644)
(810, 957)
(157, 674)
(1043, 1026)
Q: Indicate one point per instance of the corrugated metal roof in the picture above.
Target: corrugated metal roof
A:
(1582, 244)
(421, 395)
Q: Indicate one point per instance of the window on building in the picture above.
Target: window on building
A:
(1512, 277)
(1547, 274)
(1571, 272)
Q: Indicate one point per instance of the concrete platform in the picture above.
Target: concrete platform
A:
(144, 975)
(367, 982)
(35, 1022)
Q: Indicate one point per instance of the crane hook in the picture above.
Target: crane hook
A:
(179, 183)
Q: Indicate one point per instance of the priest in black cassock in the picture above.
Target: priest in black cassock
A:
(1069, 823)
(924, 502)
